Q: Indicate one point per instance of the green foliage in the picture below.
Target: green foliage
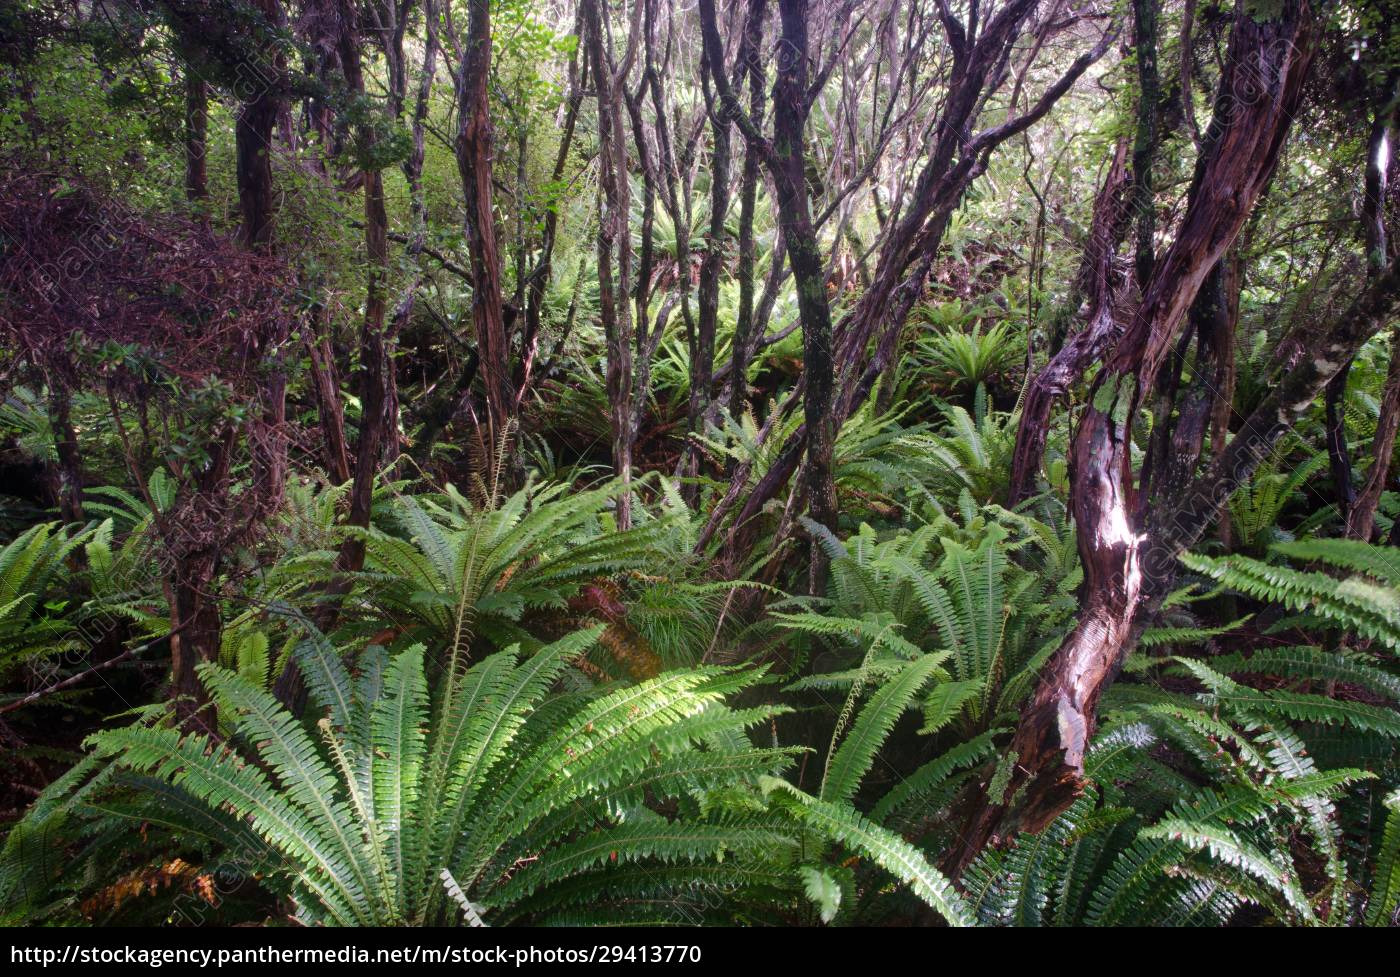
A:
(967, 360)
(457, 569)
(24, 417)
(472, 780)
(885, 848)
(1383, 906)
(972, 453)
(1362, 598)
(954, 590)
(34, 592)
(359, 819)
(1144, 846)
(1258, 506)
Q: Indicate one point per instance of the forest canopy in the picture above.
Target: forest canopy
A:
(764, 463)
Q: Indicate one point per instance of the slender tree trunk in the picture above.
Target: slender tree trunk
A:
(196, 128)
(1359, 512)
(1361, 519)
(614, 241)
(330, 407)
(196, 625)
(1177, 525)
(70, 463)
(1183, 438)
(645, 335)
(702, 361)
(474, 148)
(791, 105)
(538, 284)
(376, 350)
(412, 168)
(672, 184)
(1146, 137)
(1070, 361)
(751, 60)
(378, 417)
(956, 157)
(195, 636)
(786, 160)
(1335, 437)
(1222, 407)
(253, 141)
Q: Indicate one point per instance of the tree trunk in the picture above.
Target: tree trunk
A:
(1362, 517)
(196, 127)
(1260, 91)
(69, 469)
(191, 563)
(702, 361)
(1069, 362)
(1183, 438)
(376, 347)
(1145, 139)
(1175, 527)
(195, 636)
(1224, 383)
(614, 240)
(253, 144)
(1360, 511)
(750, 58)
(786, 160)
(378, 407)
(474, 145)
(538, 283)
(956, 157)
(412, 168)
(330, 407)
(791, 105)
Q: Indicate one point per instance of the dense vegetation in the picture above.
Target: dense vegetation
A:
(772, 463)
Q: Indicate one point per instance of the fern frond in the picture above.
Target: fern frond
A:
(1383, 904)
(852, 760)
(892, 853)
(1356, 603)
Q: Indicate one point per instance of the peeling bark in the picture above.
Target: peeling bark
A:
(1260, 90)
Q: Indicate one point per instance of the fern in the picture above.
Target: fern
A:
(1384, 903)
(887, 849)
(33, 577)
(1356, 603)
(852, 760)
(1312, 664)
(352, 849)
(1379, 562)
(458, 571)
